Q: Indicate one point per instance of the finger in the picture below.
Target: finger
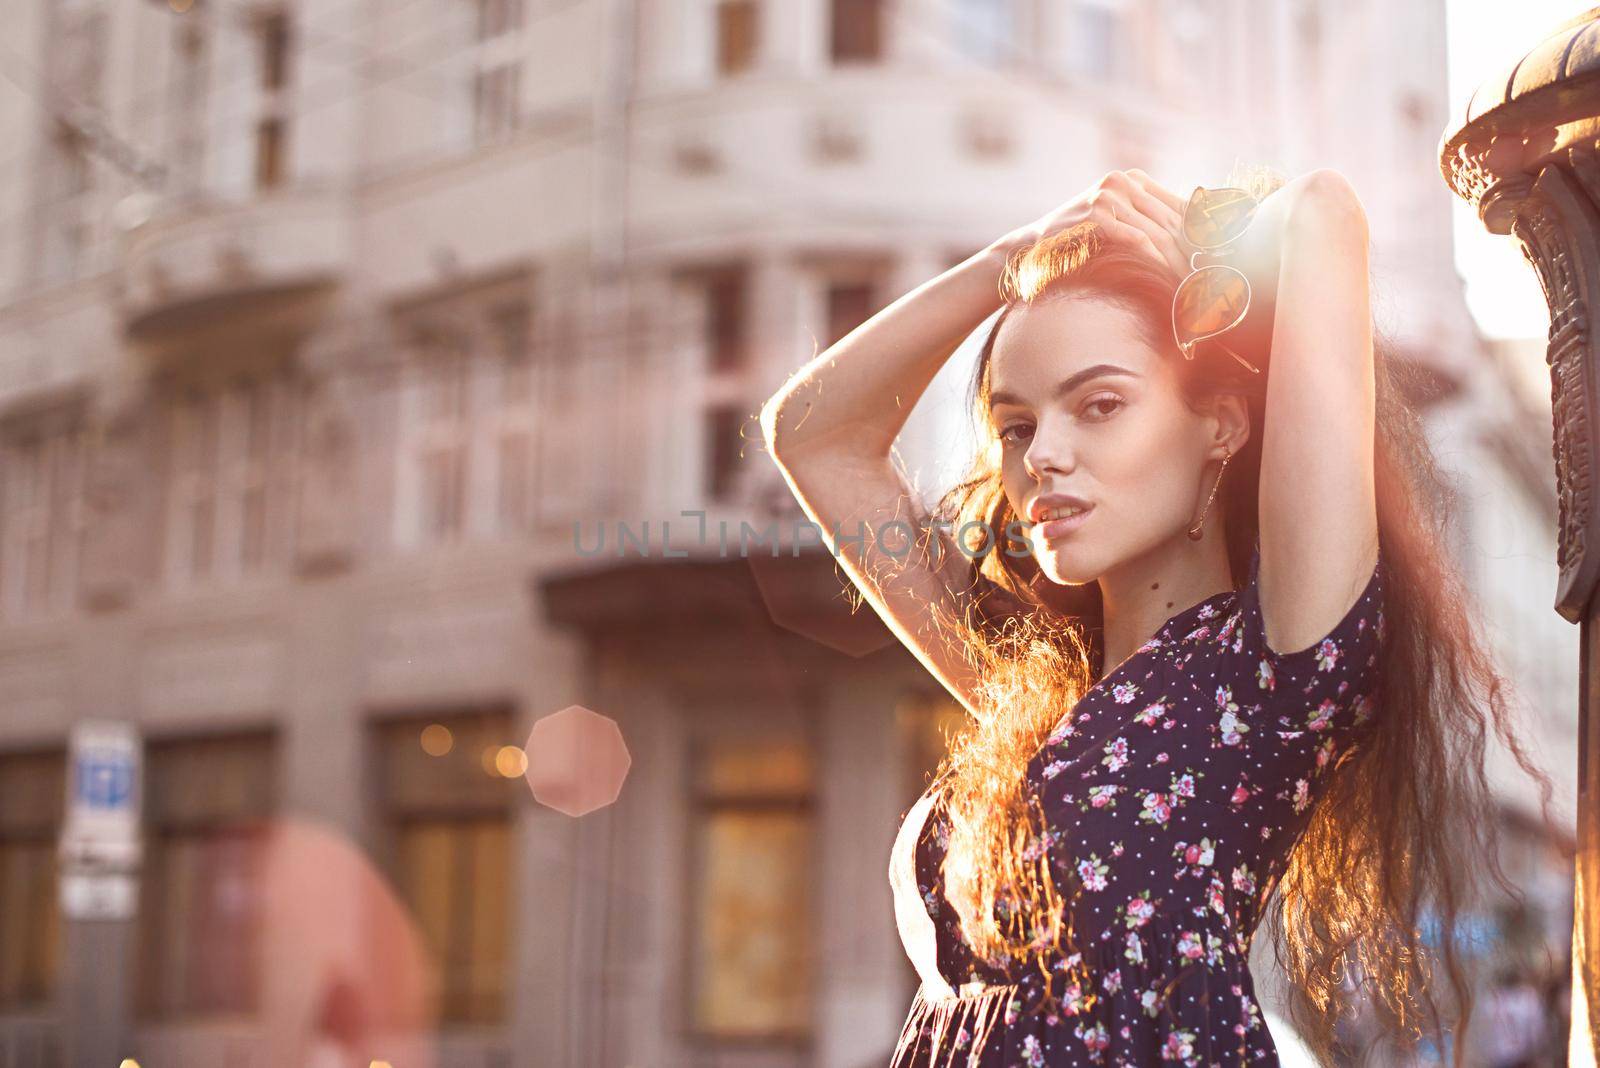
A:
(1161, 241)
(1127, 233)
(1159, 191)
(1158, 209)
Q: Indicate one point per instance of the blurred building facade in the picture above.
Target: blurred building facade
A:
(335, 338)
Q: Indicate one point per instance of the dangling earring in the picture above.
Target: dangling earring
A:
(1194, 531)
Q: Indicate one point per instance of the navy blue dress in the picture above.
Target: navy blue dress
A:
(1173, 795)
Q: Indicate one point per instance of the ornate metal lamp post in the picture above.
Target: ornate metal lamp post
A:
(1525, 153)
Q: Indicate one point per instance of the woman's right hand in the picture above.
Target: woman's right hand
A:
(1127, 206)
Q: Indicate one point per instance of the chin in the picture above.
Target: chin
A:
(1066, 565)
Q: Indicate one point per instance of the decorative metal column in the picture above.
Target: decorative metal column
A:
(1525, 153)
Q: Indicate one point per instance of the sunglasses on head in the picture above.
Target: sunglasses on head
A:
(1213, 299)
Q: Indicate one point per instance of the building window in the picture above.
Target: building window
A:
(64, 211)
(275, 51)
(447, 785)
(32, 792)
(521, 376)
(207, 803)
(475, 399)
(738, 35)
(231, 471)
(272, 125)
(440, 432)
(726, 314)
(724, 449)
(752, 867)
(849, 304)
(986, 30)
(187, 103)
(66, 215)
(858, 30)
(497, 69)
(41, 520)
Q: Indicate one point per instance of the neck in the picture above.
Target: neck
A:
(1143, 592)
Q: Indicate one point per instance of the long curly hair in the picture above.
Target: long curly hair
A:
(1408, 819)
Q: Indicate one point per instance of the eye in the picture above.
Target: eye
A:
(1007, 432)
(1098, 405)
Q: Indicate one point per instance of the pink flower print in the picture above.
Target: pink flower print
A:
(1112, 983)
(1266, 678)
(1150, 713)
(1321, 716)
(1243, 880)
(1013, 1011)
(1266, 832)
(1066, 729)
(1302, 794)
(1134, 950)
(1215, 898)
(1116, 751)
(1364, 706)
(1095, 1039)
(1179, 1047)
(1157, 808)
(1233, 728)
(1189, 946)
(1054, 768)
(1150, 1001)
(963, 1037)
(1072, 1001)
(1093, 872)
(1183, 785)
(1327, 654)
(1032, 1052)
(1139, 910)
(1230, 724)
(1198, 633)
(1104, 796)
(1196, 856)
(1230, 634)
(1125, 1032)
(1213, 950)
(1325, 753)
(1124, 692)
(1162, 758)
(1241, 794)
(1252, 1012)
(1116, 849)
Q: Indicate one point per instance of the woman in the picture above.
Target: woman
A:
(1082, 882)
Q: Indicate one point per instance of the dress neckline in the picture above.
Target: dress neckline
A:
(1163, 633)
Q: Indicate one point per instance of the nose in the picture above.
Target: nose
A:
(1049, 451)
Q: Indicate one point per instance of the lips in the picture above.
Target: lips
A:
(1051, 501)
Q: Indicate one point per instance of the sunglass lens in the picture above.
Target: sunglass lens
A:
(1208, 302)
(1215, 217)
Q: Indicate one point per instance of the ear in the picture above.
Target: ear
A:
(1231, 417)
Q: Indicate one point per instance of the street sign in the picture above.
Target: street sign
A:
(100, 848)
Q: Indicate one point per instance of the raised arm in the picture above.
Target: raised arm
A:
(1318, 503)
(832, 426)
(831, 430)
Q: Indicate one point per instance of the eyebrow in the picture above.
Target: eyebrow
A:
(1067, 385)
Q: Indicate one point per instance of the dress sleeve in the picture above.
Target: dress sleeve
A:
(1299, 699)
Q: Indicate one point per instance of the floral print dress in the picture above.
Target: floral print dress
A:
(1173, 796)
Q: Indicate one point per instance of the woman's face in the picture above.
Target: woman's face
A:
(1085, 406)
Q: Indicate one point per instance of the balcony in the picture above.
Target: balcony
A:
(195, 260)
